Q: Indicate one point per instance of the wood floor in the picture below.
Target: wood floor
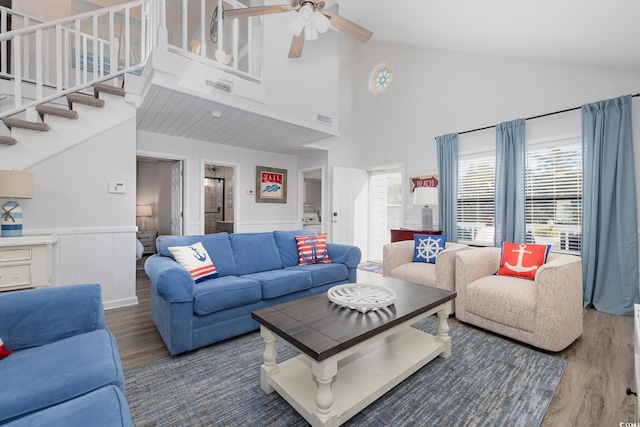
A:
(592, 391)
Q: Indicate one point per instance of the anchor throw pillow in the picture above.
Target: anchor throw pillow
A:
(196, 260)
(428, 247)
(313, 249)
(522, 260)
(4, 351)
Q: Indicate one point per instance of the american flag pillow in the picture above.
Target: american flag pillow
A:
(196, 260)
(313, 249)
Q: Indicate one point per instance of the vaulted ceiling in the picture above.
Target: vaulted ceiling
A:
(603, 33)
(586, 32)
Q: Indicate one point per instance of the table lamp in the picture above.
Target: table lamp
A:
(143, 212)
(14, 184)
(426, 196)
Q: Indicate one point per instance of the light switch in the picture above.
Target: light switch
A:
(117, 187)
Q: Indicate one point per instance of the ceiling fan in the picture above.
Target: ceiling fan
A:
(311, 19)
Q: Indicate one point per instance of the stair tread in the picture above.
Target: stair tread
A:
(84, 99)
(110, 89)
(24, 124)
(7, 140)
(56, 111)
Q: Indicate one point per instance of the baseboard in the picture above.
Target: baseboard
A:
(108, 305)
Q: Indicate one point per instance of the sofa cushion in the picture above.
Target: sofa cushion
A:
(225, 292)
(104, 407)
(428, 247)
(281, 282)
(423, 273)
(218, 247)
(321, 274)
(196, 260)
(254, 252)
(503, 299)
(39, 377)
(287, 245)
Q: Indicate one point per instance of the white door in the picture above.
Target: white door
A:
(349, 215)
(176, 198)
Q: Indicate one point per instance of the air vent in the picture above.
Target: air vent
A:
(220, 86)
(324, 119)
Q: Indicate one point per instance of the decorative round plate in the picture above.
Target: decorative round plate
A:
(361, 297)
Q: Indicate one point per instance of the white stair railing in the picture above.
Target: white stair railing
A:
(70, 54)
(58, 57)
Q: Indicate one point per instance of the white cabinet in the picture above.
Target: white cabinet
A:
(25, 262)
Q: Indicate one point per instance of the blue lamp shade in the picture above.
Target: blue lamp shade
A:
(14, 185)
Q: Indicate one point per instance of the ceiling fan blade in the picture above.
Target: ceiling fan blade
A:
(246, 12)
(350, 28)
(296, 46)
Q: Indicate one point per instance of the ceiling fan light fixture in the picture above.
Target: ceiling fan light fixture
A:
(321, 22)
(310, 32)
(305, 14)
(296, 27)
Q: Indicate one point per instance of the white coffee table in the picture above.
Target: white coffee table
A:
(349, 359)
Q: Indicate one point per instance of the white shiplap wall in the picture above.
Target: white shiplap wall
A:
(97, 255)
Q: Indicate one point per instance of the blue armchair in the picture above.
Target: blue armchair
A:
(65, 368)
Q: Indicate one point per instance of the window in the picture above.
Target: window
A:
(476, 179)
(553, 192)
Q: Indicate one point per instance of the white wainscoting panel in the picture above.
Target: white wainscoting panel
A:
(258, 226)
(106, 256)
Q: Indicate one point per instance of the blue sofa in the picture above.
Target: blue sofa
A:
(65, 369)
(256, 270)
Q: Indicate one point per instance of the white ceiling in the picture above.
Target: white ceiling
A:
(175, 113)
(604, 33)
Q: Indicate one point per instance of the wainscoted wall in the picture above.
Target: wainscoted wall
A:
(104, 255)
(257, 226)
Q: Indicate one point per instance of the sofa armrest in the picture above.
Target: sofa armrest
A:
(37, 317)
(344, 254)
(395, 254)
(169, 279)
(559, 284)
(446, 264)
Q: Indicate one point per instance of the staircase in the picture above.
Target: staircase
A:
(76, 61)
(69, 113)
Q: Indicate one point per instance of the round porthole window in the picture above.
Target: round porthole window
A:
(381, 78)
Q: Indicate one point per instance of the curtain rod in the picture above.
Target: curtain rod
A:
(534, 117)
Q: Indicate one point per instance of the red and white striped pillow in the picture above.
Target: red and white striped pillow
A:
(313, 249)
(196, 260)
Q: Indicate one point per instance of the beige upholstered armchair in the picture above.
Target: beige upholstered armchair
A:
(397, 261)
(545, 312)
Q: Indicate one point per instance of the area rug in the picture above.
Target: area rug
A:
(370, 266)
(487, 381)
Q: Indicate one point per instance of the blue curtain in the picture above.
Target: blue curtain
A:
(609, 210)
(510, 218)
(447, 147)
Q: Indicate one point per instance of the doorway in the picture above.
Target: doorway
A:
(385, 209)
(218, 198)
(160, 186)
(312, 199)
